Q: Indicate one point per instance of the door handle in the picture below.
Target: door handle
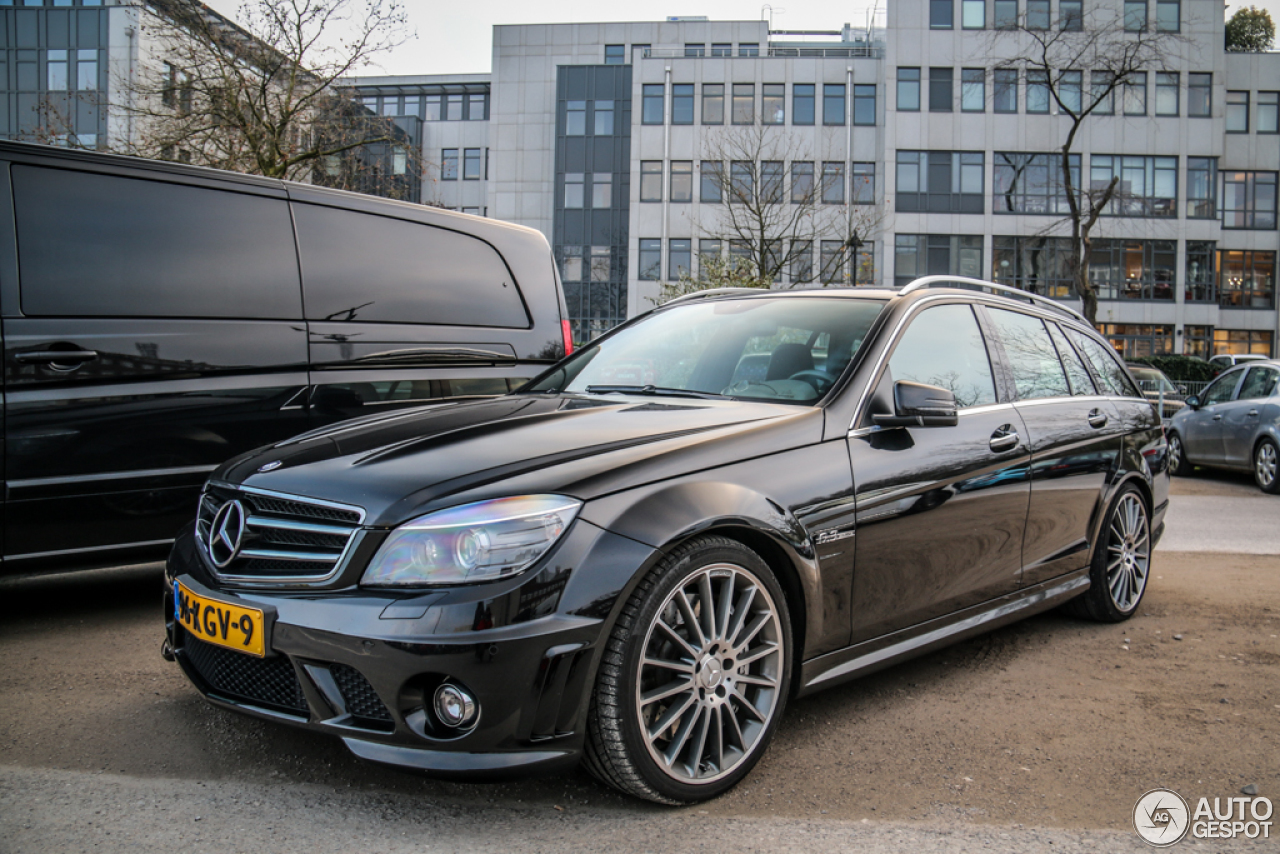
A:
(1004, 439)
(1217, 418)
(39, 357)
(1253, 413)
(1097, 418)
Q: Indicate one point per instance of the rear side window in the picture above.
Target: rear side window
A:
(1114, 377)
(93, 245)
(1037, 371)
(1260, 382)
(371, 268)
(944, 347)
(1081, 382)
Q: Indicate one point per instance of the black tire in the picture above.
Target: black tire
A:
(710, 740)
(1121, 562)
(1178, 463)
(1266, 466)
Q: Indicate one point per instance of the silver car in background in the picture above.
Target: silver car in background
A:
(1234, 424)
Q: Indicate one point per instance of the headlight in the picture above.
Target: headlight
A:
(474, 542)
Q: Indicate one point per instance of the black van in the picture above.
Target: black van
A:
(161, 318)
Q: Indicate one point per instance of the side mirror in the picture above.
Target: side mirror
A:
(1193, 402)
(920, 405)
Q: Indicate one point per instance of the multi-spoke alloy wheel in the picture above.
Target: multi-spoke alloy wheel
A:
(1266, 466)
(1178, 463)
(1128, 552)
(694, 677)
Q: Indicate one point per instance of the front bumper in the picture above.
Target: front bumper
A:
(363, 665)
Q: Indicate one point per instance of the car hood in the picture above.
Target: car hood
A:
(404, 463)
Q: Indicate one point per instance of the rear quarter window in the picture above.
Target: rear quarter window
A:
(365, 267)
(1106, 365)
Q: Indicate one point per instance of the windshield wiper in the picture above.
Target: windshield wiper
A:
(653, 390)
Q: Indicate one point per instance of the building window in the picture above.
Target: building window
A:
(412, 105)
(833, 104)
(1201, 282)
(1241, 341)
(744, 103)
(1103, 92)
(615, 54)
(653, 104)
(1138, 340)
(833, 183)
(574, 190)
(571, 263)
(802, 104)
(1246, 279)
(1031, 183)
(679, 257)
(742, 182)
(682, 104)
(1135, 94)
(973, 14)
(1148, 186)
(801, 181)
(1197, 341)
(601, 190)
(650, 259)
(1071, 15)
(56, 66)
(476, 103)
(695, 49)
(864, 184)
(772, 182)
(1071, 91)
(1168, 16)
(773, 99)
(1133, 269)
(449, 164)
(722, 49)
(713, 103)
(575, 118)
(864, 264)
(708, 252)
(1135, 15)
(1200, 95)
(1005, 92)
(909, 90)
(1202, 186)
(941, 14)
(471, 164)
(917, 255)
(864, 104)
(711, 184)
(681, 180)
(1037, 14)
(87, 70)
(940, 85)
(1266, 114)
(453, 108)
(1004, 14)
(749, 49)
(1249, 200)
(1237, 112)
(1167, 93)
(940, 181)
(1037, 91)
(603, 118)
(650, 180)
(434, 111)
(1040, 265)
(639, 51)
(973, 90)
(831, 262)
(801, 261)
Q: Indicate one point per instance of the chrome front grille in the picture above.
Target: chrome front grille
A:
(285, 539)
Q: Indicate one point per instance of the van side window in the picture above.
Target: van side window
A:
(1037, 372)
(944, 347)
(363, 267)
(1106, 366)
(93, 245)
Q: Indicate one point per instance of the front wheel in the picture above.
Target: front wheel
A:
(694, 676)
(1121, 562)
(1266, 460)
(1178, 463)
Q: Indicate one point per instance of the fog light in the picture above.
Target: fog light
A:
(454, 706)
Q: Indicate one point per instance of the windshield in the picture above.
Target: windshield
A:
(787, 350)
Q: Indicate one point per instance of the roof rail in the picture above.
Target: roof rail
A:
(1017, 293)
(717, 292)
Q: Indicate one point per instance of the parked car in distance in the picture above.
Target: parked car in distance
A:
(1222, 361)
(1157, 388)
(1233, 424)
(637, 559)
(160, 318)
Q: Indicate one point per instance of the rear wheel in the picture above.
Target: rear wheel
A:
(1266, 466)
(1178, 463)
(694, 676)
(1121, 562)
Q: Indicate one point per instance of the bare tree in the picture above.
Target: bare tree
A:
(1114, 54)
(265, 97)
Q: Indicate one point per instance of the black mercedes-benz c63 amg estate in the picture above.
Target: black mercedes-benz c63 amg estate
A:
(638, 558)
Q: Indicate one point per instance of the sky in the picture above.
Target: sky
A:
(457, 38)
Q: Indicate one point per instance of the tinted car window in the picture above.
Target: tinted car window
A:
(1106, 366)
(1221, 389)
(1037, 372)
(107, 246)
(944, 347)
(1260, 382)
(372, 268)
(1077, 373)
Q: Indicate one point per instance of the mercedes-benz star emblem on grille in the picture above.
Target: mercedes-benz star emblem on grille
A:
(226, 532)
(271, 466)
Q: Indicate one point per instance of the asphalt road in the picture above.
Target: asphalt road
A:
(1038, 737)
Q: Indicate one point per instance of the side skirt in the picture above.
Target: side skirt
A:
(878, 653)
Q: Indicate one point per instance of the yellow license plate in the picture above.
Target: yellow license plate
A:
(222, 623)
